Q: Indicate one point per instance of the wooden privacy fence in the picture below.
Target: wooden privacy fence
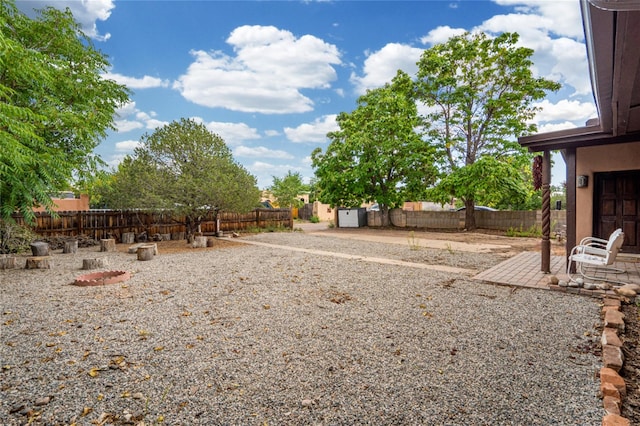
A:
(113, 223)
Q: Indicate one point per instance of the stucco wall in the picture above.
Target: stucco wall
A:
(590, 160)
(68, 204)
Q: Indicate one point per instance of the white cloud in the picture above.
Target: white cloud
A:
(232, 133)
(380, 67)
(127, 145)
(145, 82)
(269, 69)
(85, 12)
(315, 132)
(565, 110)
(264, 172)
(272, 133)
(562, 18)
(441, 34)
(261, 152)
(552, 127)
(132, 119)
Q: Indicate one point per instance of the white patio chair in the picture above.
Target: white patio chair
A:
(596, 253)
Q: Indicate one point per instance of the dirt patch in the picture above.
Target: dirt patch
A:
(481, 236)
(181, 246)
(631, 367)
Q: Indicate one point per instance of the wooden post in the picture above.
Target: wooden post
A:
(40, 248)
(545, 246)
(94, 263)
(38, 262)
(108, 244)
(70, 247)
(145, 252)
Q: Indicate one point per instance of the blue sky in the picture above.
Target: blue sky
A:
(270, 76)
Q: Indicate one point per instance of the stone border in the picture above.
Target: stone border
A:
(613, 389)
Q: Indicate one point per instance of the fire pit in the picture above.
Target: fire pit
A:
(102, 278)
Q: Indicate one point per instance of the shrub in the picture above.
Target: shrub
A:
(15, 238)
(314, 219)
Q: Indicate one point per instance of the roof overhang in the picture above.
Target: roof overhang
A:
(612, 34)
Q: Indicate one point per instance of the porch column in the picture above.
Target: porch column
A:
(546, 213)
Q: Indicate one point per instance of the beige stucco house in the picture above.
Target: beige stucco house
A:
(603, 158)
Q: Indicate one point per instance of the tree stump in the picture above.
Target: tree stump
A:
(199, 242)
(145, 252)
(128, 237)
(94, 263)
(108, 244)
(211, 241)
(38, 262)
(166, 237)
(176, 236)
(40, 248)
(7, 262)
(70, 247)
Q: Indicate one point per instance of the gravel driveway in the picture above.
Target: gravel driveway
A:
(251, 335)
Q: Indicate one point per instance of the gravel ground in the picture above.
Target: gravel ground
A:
(240, 334)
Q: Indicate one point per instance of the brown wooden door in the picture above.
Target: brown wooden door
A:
(617, 205)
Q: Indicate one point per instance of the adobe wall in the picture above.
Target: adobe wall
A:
(590, 160)
(68, 204)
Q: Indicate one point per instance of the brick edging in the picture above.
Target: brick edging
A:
(613, 389)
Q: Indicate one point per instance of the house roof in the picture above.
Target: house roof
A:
(612, 34)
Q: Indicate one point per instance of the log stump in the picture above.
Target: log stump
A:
(39, 262)
(145, 252)
(70, 247)
(108, 244)
(211, 241)
(166, 237)
(134, 248)
(176, 236)
(7, 262)
(199, 242)
(40, 248)
(94, 263)
(128, 237)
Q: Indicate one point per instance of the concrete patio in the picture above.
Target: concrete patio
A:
(523, 270)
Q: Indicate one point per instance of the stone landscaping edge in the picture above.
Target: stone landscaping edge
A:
(613, 389)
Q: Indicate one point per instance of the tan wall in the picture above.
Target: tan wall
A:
(68, 204)
(596, 159)
(324, 212)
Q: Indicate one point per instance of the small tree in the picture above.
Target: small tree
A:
(55, 106)
(377, 155)
(479, 94)
(287, 189)
(185, 169)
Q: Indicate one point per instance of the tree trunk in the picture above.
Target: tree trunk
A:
(40, 248)
(108, 244)
(470, 214)
(384, 215)
(38, 262)
(70, 247)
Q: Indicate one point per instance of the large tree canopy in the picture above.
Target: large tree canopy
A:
(377, 155)
(185, 169)
(55, 106)
(479, 94)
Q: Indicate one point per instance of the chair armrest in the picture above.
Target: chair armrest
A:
(591, 240)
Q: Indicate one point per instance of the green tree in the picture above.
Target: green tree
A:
(287, 189)
(55, 106)
(185, 169)
(479, 94)
(377, 155)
